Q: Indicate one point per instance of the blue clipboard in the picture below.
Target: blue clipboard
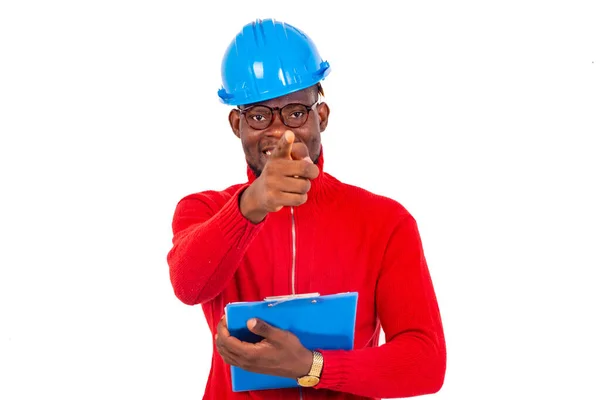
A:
(320, 322)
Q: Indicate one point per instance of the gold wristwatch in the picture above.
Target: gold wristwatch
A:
(314, 375)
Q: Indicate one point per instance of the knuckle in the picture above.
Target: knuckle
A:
(288, 337)
(247, 362)
(221, 347)
(307, 169)
(307, 185)
(260, 327)
(244, 365)
(272, 195)
(302, 199)
(271, 204)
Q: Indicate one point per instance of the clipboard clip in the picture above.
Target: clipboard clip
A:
(282, 299)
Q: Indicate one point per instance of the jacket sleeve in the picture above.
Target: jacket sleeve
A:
(412, 362)
(208, 245)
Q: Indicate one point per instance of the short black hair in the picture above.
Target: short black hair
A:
(319, 88)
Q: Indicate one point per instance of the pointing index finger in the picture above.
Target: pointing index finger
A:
(284, 146)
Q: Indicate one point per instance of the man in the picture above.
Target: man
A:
(292, 229)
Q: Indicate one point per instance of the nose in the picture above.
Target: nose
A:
(277, 127)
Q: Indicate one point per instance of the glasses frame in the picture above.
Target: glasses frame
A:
(277, 111)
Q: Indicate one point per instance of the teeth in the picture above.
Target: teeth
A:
(268, 152)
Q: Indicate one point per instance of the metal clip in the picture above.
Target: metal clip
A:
(282, 299)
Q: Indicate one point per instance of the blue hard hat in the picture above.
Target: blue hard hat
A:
(269, 59)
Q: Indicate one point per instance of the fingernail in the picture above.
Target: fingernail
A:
(307, 158)
(252, 323)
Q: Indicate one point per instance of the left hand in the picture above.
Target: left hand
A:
(279, 353)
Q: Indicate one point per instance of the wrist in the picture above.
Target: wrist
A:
(249, 208)
(304, 364)
(313, 376)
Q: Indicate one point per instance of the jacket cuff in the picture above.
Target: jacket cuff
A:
(336, 369)
(235, 227)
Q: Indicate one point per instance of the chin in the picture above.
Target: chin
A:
(257, 168)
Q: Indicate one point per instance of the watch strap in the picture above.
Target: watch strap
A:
(317, 364)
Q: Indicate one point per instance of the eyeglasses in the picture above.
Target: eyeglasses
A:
(292, 115)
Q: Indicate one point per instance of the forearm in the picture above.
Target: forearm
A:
(413, 361)
(205, 256)
(411, 364)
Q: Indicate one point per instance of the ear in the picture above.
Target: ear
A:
(234, 121)
(323, 112)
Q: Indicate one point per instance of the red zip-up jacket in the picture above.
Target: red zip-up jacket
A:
(343, 239)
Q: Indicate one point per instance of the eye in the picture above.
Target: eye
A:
(258, 117)
(297, 114)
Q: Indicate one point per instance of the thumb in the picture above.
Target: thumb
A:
(261, 328)
(284, 146)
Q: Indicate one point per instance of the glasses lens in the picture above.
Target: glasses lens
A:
(294, 115)
(258, 117)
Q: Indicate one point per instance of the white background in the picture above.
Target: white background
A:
(482, 118)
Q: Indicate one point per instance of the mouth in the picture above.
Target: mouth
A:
(267, 151)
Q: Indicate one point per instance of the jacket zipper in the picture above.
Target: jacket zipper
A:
(294, 267)
(293, 251)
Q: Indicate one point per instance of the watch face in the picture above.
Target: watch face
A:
(308, 381)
